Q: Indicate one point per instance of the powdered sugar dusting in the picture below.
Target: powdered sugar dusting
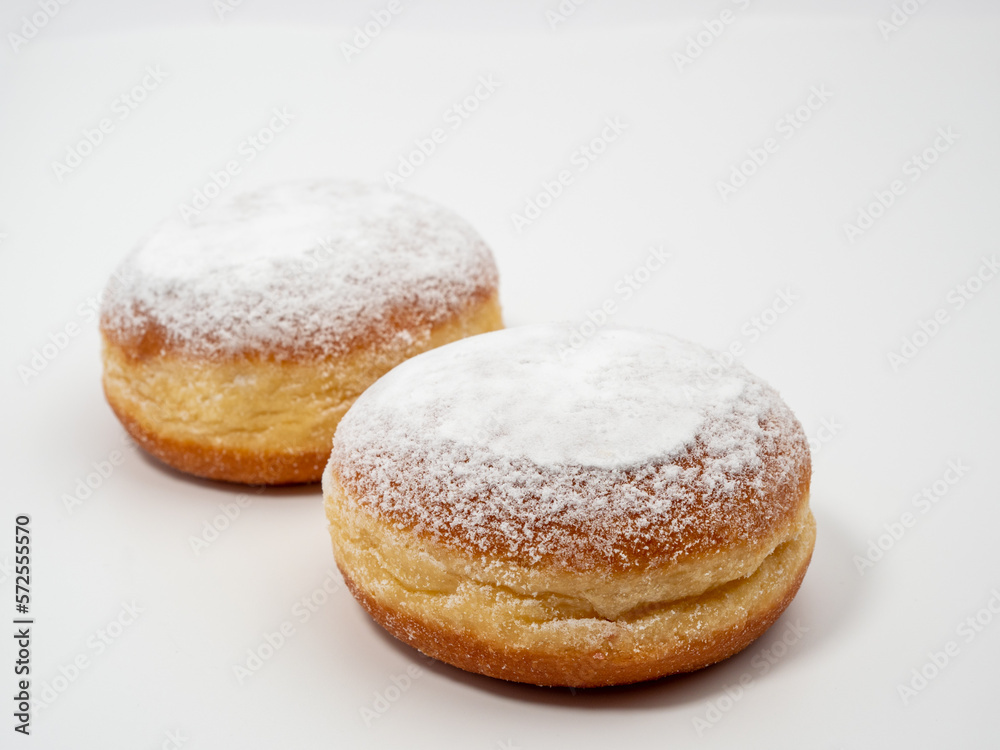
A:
(299, 266)
(624, 399)
(637, 444)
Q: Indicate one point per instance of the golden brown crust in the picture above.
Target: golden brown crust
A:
(543, 625)
(574, 669)
(255, 420)
(225, 464)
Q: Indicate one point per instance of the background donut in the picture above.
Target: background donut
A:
(234, 343)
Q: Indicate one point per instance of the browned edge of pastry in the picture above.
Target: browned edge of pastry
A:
(471, 654)
(226, 464)
(278, 466)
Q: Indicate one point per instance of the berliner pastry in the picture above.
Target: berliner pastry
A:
(602, 515)
(233, 344)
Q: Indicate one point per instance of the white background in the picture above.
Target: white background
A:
(894, 430)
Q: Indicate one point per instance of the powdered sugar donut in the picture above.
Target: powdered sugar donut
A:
(630, 509)
(234, 344)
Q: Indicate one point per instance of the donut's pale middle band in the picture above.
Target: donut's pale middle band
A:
(373, 549)
(176, 404)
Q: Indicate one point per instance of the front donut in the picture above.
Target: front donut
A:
(603, 515)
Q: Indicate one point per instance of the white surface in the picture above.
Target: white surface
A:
(895, 432)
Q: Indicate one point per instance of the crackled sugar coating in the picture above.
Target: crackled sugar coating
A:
(306, 268)
(636, 450)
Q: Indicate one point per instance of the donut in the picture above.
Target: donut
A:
(544, 509)
(234, 342)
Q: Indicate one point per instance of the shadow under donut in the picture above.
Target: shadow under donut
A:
(234, 488)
